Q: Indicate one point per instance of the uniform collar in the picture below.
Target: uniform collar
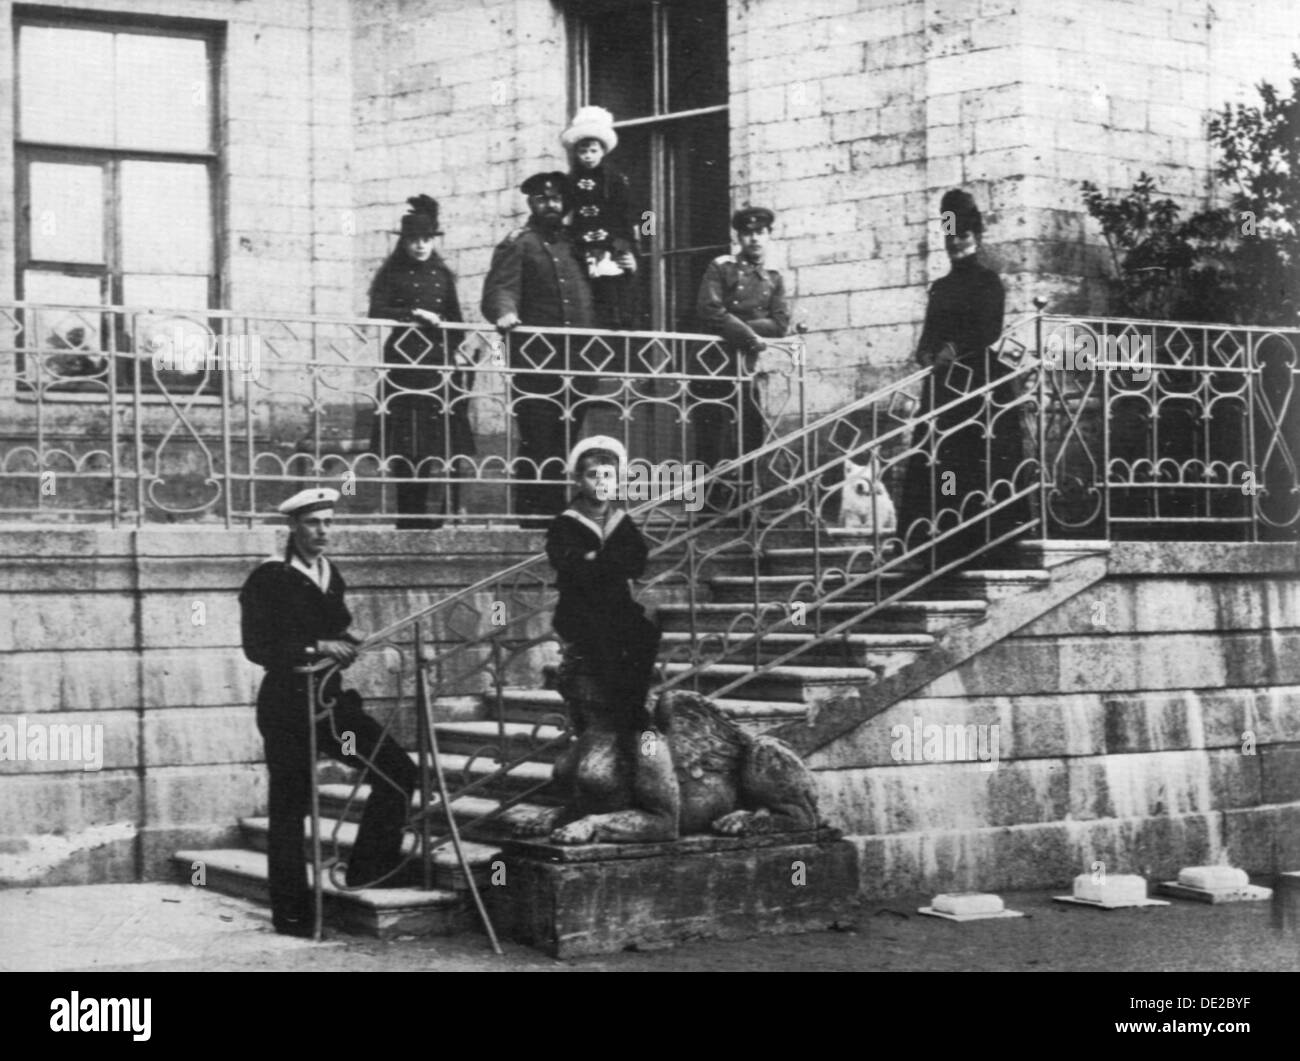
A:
(319, 573)
(561, 233)
(615, 518)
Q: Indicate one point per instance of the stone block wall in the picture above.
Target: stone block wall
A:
(137, 632)
(848, 117)
(1149, 723)
(461, 101)
(851, 118)
(284, 238)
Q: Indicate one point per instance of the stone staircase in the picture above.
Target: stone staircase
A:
(864, 654)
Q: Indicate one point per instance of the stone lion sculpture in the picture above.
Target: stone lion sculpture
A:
(692, 770)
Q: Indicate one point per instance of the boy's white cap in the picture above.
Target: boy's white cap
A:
(309, 500)
(597, 442)
(591, 123)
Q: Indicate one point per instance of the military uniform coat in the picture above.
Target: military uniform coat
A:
(541, 280)
(742, 302)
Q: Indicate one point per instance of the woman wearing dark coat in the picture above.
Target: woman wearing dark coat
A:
(963, 321)
(423, 422)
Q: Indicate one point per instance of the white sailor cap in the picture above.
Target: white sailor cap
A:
(309, 500)
(602, 442)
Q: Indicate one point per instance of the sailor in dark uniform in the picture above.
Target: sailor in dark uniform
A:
(293, 612)
(744, 303)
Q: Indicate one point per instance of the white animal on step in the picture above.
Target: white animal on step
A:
(865, 500)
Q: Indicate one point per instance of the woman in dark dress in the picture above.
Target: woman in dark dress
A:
(423, 423)
(981, 443)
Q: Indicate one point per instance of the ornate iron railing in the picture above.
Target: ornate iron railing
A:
(1161, 429)
(1028, 449)
(135, 415)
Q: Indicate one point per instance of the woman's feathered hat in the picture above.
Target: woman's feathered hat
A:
(590, 123)
(966, 215)
(422, 221)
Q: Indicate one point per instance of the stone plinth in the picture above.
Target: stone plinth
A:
(1286, 903)
(602, 898)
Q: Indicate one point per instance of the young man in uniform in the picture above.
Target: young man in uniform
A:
(293, 613)
(744, 303)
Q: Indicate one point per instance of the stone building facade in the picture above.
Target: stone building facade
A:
(300, 127)
(848, 117)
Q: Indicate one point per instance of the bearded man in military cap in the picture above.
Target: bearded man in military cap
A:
(293, 613)
(744, 302)
(538, 278)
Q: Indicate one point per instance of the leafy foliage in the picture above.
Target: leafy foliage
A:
(1239, 263)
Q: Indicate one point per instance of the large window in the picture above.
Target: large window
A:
(116, 167)
(661, 67)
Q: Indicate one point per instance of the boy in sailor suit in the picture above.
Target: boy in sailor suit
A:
(596, 549)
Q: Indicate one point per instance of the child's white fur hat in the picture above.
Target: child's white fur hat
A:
(604, 442)
(590, 123)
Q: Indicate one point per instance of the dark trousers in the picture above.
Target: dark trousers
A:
(728, 424)
(545, 439)
(288, 760)
(716, 430)
(413, 500)
(620, 655)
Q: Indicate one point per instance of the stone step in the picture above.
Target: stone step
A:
(964, 585)
(467, 738)
(525, 706)
(471, 811)
(799, 561)
(457, 708)
(926, 617)
(995, 583)
(786, 683)
(753, 716)
(380, 912)
(454, 765)
(342, 835)
(859, 551)
(884, 653)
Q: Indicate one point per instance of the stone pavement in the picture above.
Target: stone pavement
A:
(175, 927)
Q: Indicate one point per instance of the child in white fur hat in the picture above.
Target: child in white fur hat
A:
(603, 230)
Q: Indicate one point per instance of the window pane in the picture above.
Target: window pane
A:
(67, 212)
(166, 221)
(165, 292)
(69, 343)
(620, 63)
(633, 159)
(65, 85)
(697, 55)
(698, 182)
(162, 93)
(684, 273)
(40, 285)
